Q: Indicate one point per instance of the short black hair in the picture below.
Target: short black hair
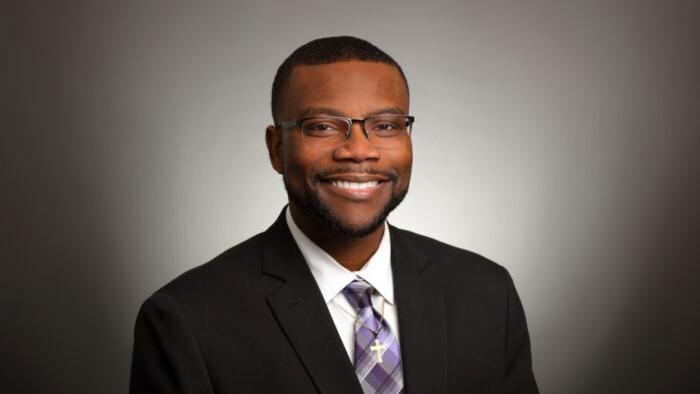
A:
(325, 51)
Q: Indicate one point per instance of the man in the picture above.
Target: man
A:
(331, 298)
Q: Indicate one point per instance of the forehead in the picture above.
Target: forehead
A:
(352, 88)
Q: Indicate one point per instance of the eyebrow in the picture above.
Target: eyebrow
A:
(311, 111)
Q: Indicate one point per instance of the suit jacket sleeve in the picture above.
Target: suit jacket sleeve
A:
(166, 355)
(519, 376)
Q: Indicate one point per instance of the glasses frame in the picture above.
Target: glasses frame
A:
(288, 124)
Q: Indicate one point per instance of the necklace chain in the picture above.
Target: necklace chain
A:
(354, 317)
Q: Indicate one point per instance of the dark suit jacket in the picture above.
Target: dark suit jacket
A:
(253, 321)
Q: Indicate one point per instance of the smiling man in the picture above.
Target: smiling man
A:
(331, 298)
(346, 157)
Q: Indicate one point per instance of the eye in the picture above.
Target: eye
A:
(387, 127)
(322, 127)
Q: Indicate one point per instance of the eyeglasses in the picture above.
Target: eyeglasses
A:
(383, 131)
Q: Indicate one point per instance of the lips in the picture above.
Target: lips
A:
(353, 186)
(361, 176)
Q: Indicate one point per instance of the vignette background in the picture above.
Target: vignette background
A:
(558, 138)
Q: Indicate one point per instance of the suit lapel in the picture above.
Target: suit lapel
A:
(420, 306)
(303, 315)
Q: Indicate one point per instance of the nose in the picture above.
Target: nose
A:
(357, 146)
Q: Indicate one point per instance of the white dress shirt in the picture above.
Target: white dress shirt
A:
(332, 277)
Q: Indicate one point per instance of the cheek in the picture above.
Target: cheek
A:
(403, 160)
(299, 162)
(405, 167)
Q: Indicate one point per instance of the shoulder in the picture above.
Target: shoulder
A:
(451, 260)
(472, 284)
(230, 274)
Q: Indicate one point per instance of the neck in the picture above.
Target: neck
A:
(351, 252)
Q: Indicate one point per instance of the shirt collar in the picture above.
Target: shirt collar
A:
(333, 277)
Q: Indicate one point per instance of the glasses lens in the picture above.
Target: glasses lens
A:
(324, 131)
(388, 130)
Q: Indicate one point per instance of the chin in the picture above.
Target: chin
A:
(342, 221)
(355, 228)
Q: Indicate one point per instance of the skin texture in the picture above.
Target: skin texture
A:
(347, 226)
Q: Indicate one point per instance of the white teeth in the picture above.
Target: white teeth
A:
(355, 185)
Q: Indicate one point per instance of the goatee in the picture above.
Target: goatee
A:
(312, 205)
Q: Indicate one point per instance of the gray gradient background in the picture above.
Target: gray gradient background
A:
(559, 139)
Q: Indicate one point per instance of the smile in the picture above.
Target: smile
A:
(355, 185)
(355, 189)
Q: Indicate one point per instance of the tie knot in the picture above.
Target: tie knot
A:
(359, 293)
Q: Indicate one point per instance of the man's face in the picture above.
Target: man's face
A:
(330, 186)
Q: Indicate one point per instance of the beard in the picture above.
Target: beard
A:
(312, 205)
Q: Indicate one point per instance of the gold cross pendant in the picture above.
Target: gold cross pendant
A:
(378, 347)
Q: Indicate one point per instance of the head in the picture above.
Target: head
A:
(351, 187)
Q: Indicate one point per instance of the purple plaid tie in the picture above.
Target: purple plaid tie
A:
(377, 358)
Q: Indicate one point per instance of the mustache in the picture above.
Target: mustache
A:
(392, 175)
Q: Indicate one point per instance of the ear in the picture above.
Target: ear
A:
(273, 138)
